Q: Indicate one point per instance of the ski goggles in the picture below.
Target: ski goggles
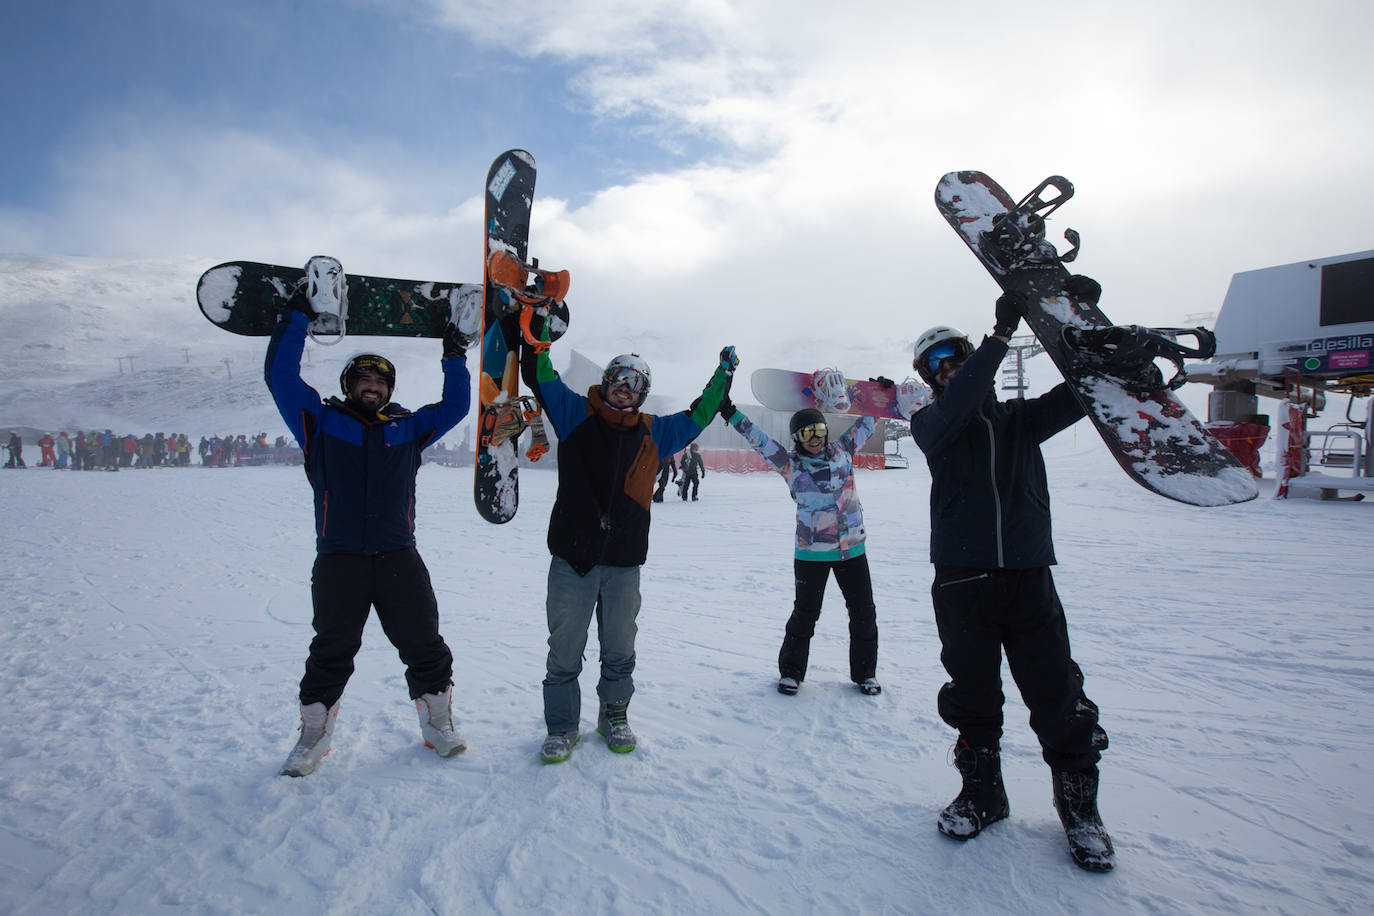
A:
(936, 356)
(632, 379)
(369, 363)
(814, 431)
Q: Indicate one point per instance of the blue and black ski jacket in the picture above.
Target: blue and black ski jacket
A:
(362, 468)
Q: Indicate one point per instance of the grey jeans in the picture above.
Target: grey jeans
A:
(612, 593)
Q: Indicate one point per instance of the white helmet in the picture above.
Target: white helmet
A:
(631, 369)
(932, 338)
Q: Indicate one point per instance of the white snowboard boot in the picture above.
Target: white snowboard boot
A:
(436, 723)
(317, 734)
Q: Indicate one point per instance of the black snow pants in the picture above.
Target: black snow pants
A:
(857, 588)
(344, 587)
(981, 611)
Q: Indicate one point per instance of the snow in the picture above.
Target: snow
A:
(218, 286)
(156, 625)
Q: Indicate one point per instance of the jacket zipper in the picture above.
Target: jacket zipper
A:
(963, 580)
(992, 479)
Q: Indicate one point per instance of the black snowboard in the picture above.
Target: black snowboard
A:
(1152, 435)
(246, 297)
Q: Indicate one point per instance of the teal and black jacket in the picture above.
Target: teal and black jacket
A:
(362, 468)
(607, 462)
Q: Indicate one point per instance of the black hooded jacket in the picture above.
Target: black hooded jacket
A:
(989, 498)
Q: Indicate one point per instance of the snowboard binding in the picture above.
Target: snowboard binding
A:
(536, 294)
(539, 439)
(535, 318)
(1127, 353)
(508, 420)
(1017, 237)
(830, 390)
(326, 289)
(465, 311)
(527, 282)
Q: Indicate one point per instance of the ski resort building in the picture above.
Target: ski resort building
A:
(1301, 333)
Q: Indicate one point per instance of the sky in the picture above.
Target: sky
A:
(762, 170)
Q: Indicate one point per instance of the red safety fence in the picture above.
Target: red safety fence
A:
(1243, 440)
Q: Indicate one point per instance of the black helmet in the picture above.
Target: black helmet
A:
(369, 362)
(807, 416)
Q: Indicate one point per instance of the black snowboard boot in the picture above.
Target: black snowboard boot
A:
(982, 800)
(1075, 798)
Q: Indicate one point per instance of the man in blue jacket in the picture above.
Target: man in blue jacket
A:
(361, 458)
(608, 454)
(992, 550)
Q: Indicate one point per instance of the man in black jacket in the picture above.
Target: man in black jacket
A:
(991, 546)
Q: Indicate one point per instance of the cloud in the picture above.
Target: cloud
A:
(1203, 138)
(1194, 134)
(175, 186)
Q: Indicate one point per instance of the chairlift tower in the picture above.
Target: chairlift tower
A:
(1019, 350)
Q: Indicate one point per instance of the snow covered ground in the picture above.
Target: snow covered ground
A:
(155, 625)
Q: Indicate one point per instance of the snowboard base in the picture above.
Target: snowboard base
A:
(784, 389)
(1152, 435)
(246, 297)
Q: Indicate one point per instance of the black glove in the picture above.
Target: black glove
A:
(1083, 289)
(884, 381)
(1010, 308)
(455, 342)
(727, 407)
(299, 303)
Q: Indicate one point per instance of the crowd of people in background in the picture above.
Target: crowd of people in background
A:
(104, 450)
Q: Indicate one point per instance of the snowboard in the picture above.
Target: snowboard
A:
(246, 297)
(1154, 438)
(520, 302)
(829, 392)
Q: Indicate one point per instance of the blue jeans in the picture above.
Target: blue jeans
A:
(612, 592)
